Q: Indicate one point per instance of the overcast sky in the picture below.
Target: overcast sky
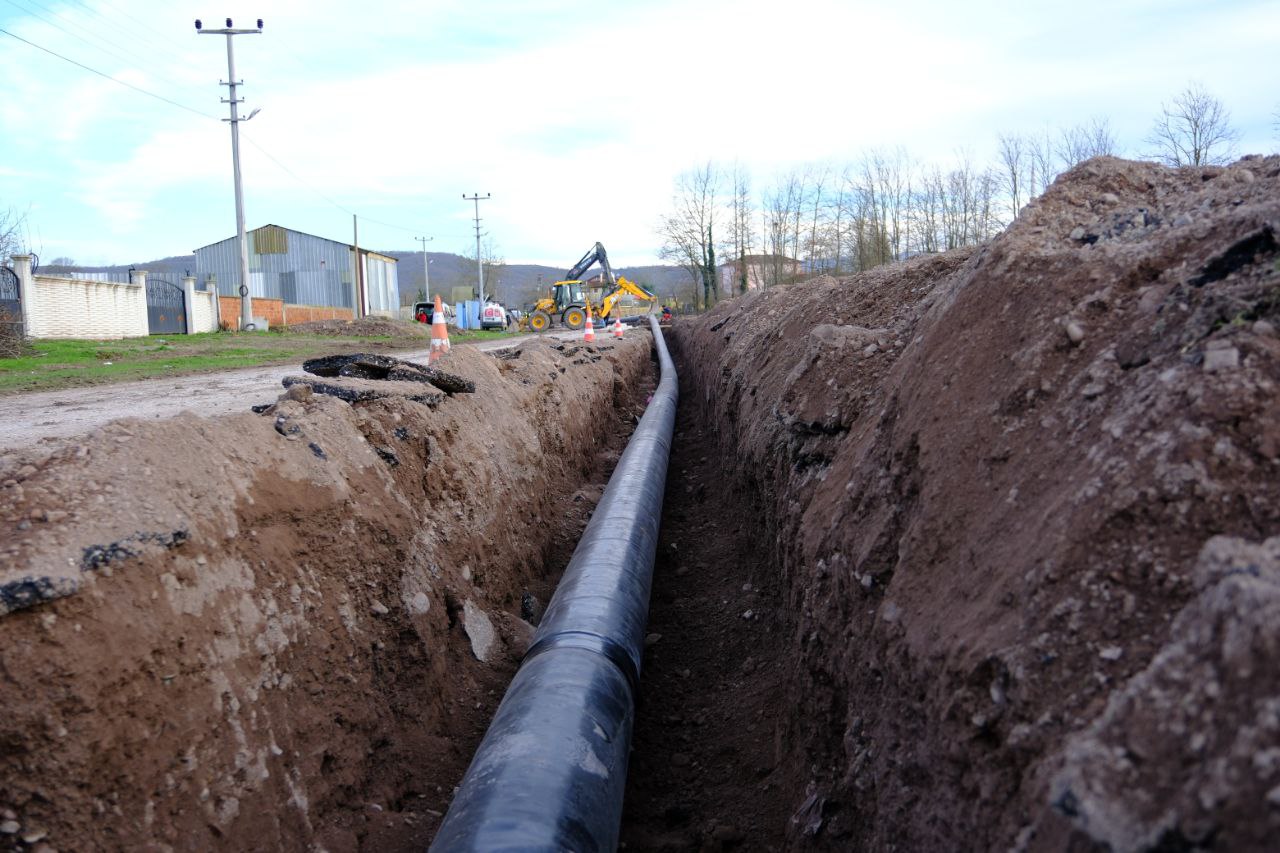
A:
(576, 116)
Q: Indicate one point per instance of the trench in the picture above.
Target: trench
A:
(710, 769)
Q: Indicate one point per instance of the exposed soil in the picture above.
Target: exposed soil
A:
(288, 630)
(1026, 499)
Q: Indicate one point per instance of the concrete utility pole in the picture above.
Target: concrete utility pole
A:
(246, 301)
(426, 270)
(477, 198)
(357, 270)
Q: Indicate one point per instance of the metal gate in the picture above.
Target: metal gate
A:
(166, 308)
(10, 308)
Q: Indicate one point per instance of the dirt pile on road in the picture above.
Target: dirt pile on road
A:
(364, 327)
(288, 630)
(1026, 500)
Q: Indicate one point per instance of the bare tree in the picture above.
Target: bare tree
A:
(741, 224)
(10, 234)
(927, 211)
(1082, 141)
(490, 258)
(784, 207)
(1042, 167)
(813, 246)
(1193, 130)
(689, 231)
(1014, 160)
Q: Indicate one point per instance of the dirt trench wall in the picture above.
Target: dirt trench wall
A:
(288, 630)
(1027, 500)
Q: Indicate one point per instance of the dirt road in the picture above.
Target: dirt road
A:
(33, 419)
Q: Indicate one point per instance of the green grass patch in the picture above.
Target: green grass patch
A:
(54, 364)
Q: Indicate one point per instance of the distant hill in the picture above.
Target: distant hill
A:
(174, 264)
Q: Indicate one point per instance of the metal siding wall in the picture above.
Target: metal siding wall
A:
(321, 270)
(381, 282)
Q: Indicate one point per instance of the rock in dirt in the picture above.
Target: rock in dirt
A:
(1218, 360)
(479, 631)
(1075, 333)
(530, 608)
(828, 334)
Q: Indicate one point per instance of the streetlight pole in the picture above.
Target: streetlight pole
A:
(477, 198)
(246, 301)
(426, 270)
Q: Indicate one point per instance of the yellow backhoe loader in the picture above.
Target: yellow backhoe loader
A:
(569, 300)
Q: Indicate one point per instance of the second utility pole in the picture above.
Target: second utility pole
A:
(426, 273)
(477, 198)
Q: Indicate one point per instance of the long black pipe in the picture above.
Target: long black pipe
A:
(551, 770)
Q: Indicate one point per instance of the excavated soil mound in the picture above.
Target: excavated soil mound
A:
(1026, 500)
(288, 630)
(364, 327)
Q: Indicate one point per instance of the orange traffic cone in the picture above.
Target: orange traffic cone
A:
(589, 332)
(439, 333)
(617, 328)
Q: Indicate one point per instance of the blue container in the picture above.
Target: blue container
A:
(468, 314)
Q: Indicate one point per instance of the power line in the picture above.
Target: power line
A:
(194, 111)
(96, 43)
(140, 23)
(131, 34)
(106, 76)
(298, 177)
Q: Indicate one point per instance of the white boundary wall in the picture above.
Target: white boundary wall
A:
(70, 308)
(205, 318)
(63, 307)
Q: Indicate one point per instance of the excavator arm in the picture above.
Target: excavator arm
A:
(596, 253)
(624, 286)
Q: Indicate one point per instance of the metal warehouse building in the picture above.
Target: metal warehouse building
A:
(302, 270)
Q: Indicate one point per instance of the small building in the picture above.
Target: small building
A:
(762, 271)
(303, 271)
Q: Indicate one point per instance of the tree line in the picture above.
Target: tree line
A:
(885, 205)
